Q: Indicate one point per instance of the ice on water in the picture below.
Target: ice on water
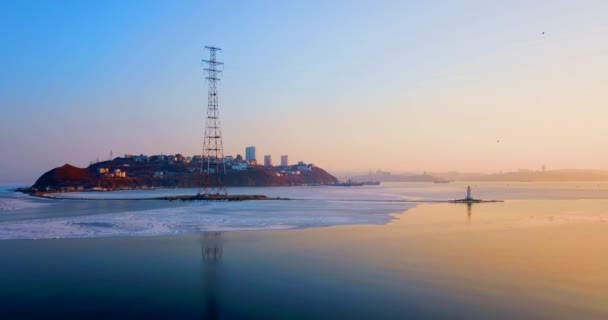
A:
(13, 201)
(315, 207)
(24, 217)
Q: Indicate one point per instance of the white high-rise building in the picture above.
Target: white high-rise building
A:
(267, 161)
(250, 153)
(284, 161)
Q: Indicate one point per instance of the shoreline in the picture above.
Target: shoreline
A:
(168, 198)
(236, 197)
(244, 197)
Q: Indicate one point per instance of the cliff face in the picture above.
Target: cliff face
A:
(181, 175)
(65, 176)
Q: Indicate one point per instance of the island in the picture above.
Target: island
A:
(135, 172)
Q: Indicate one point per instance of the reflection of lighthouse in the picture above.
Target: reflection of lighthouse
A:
(469, 193)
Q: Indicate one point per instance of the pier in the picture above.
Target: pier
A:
(217, 197)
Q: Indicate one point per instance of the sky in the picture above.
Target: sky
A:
(412, 86)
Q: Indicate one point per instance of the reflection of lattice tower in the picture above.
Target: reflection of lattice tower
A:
(211, 250)
(212, 247)
(213, 168)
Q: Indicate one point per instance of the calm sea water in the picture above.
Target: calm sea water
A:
(538, 255)
(113, 214)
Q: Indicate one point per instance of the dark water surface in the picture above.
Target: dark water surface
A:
(521, 259)
(212, 276)
(433, 262)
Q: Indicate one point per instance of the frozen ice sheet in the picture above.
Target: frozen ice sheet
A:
(12, 201)
(205, 216)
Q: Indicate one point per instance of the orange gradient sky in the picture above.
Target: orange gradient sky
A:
(401, 86)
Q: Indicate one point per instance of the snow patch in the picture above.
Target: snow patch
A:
(201, 216)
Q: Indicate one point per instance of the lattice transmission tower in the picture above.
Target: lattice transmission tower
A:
(213, 167)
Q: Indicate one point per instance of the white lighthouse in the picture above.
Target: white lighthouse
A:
(469, 193)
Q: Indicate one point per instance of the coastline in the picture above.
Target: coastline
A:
(309, 207)
(155, 214)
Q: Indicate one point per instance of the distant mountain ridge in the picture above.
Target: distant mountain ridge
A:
(562, 175)
(389, 177)
(548, 176)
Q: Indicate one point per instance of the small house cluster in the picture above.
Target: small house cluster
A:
(116, 173)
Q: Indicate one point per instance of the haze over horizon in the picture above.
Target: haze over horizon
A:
(399, 86)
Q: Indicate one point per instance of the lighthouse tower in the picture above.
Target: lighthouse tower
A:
(469, 193)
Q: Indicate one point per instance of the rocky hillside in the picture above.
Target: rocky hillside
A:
(148, 175)
(66, 176)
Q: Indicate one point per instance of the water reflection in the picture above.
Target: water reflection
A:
(469, 206)
(212, 252)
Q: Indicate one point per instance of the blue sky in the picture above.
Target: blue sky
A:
(398, 85)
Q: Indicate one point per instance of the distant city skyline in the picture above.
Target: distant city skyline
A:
(401, 86)
(250, 153)
(268, 161)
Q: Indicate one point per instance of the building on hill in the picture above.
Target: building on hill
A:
(141, 158)
(267, 160)
(250, 154)
(284, 161)
(157, 158)
(118, 174)
(239, 166)
(305, 167)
